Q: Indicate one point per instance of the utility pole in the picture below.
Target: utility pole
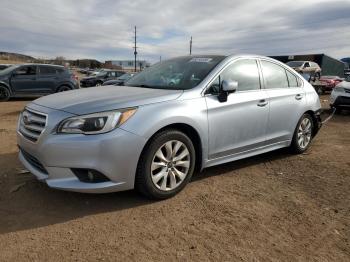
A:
(191, 46)
(135, 49)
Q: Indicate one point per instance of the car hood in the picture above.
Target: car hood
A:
(98, 99)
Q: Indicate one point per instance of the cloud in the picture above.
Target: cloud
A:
(103, 29)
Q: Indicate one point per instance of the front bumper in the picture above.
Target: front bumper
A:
(340, 100)
(87, 83)
(52, 158)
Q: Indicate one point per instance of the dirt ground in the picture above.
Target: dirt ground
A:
(273, 207)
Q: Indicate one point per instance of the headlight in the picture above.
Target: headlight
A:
(95, 123)
(339, 89)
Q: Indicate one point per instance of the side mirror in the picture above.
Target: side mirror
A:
(227, 87)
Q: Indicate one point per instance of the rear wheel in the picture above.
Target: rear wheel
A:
(303, 134)
(63, 89)
(166, 165)
(4, 94)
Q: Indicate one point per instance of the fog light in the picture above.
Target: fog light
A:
(89, 175)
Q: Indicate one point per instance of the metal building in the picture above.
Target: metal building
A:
(329, 65)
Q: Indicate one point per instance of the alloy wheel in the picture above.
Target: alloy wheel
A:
(170, 165)
(304, 133)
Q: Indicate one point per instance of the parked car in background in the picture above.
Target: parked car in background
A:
(4, 66)
(120, 80)
(100, 78)
(35, 80)
(329, 82)
(306, 67)
(151, 133)
(340, 96)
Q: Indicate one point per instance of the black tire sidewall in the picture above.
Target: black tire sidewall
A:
(145, 184)
(295, 145)
(59, 90)
(7, 92)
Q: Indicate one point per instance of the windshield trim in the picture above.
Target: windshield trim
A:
(217, 60)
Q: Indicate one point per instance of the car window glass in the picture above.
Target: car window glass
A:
(292, 79)
(275, 76)
(307, 64)
(47, 70)
(26, 70)
(245, 72)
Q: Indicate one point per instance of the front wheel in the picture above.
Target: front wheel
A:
(4, 94)
(166, 165)
(303, 134)
(63, 89)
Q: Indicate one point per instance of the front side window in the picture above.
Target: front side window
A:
(275, 76)
(26, 70)
(179, 73)
(244, 71)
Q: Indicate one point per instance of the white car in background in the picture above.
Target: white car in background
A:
(340, 97)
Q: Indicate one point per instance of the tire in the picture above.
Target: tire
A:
(4, 94)
(302, 134)
(163, 177)
(99, 83)
(63, 89)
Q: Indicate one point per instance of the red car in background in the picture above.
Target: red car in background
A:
(329, 82)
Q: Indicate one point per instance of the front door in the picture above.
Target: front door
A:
(23, 80)
(239, 124)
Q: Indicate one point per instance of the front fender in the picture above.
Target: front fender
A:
(149, 119)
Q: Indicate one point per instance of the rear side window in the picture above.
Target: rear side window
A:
(245, 72)
(292, 79)
(26, 70)
(47, 70)
(275, 75)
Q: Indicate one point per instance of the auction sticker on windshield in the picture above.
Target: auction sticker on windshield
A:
(201, 60)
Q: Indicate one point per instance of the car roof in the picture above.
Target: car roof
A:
(34, 64)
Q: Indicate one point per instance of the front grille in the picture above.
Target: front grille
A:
(34, 162)
(32, 124)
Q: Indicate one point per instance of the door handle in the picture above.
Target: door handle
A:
(262, 103)
(299, 97)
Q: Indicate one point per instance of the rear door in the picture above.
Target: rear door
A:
(23, 79)
(239, 124)
(47, 79)
(287, 101)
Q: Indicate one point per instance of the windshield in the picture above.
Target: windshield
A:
(124, 77)
(102, 73)
(295, 63)
(177, 73)
(8, 70)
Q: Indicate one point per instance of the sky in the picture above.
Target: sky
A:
(103, 29)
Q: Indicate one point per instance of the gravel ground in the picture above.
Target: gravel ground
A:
(273, 207)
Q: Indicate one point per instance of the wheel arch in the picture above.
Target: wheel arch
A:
(191, 132)
(63, 84)
(315, 120)
(6, 86)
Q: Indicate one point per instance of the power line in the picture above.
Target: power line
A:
(191, 46)
(135, 49)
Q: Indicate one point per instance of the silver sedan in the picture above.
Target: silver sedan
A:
(178, 116)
